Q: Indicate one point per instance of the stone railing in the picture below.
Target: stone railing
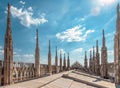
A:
(24, 71)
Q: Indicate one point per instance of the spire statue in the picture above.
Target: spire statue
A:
(56, 61)
(117, 48)
(93, 60)
(61, 67)
(64, 62)
(37, 57)
(90, 62)
(8, 52)
(49, 60)
(85, 61)
(97, 63)
(68, 63)
(104, 69)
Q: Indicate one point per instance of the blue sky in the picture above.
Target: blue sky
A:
(72, 25)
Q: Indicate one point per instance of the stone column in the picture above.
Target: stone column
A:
(68, 63)
(104, 66)
(85, 61)
(97, 64)
(8, 52)
(64, 63)
(117, 48)
(1, 72)
(56, 62)
(49, 61)
(90, 63)
(93, 60)
(61, 67)
(37, 57)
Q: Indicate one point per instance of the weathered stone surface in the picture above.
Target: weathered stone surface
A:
(8, 52)
(37, 57)
(85, 61)
(97, 60)
(56, 81)
(49, 60)
(104, 63)
(56, 62)
(117, 48)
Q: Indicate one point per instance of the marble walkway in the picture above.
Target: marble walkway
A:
(58, 81)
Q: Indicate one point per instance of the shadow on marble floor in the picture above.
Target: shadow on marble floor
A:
(97, 79)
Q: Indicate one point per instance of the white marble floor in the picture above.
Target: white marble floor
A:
(56, 81)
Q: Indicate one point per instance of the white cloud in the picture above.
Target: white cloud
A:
(1, 52)
(30, 8)
(106, 2)
(0, 47)
(95, 11)
(22, 2)
(91, 49)
(62, 50)
(82, 19)
(109, 35)
(26, 16)
(78, 50)
(28, 55)
(17, 56)
(17, 49)
(110, 52)
(75, 34)
(14, 53)
(29, 58)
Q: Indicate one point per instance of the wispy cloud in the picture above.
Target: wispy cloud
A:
(110, 52)
(105, 2)
(0, 47)
(84, 18)
(22, 2)
(109, 35)
(28, 55)
(95, 11)
(26, 16)
(30, 8)
(75, 34)
(1, 52)
(91, 49)
(24, 57)
(109, 22)
(62, 50)
(78, 50)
